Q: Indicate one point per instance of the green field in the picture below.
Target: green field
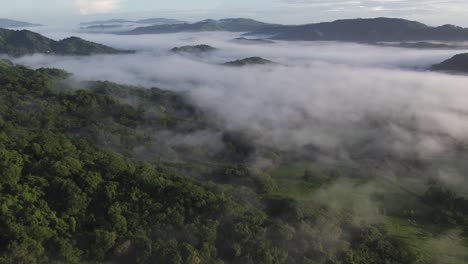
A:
(383, 200)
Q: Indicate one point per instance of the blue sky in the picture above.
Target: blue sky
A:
(433, 12)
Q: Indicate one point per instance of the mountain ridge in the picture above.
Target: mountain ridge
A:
(456, 64)
(365, 30)
(155, 20)
(25, 42)
(228, 24)
(10, 23)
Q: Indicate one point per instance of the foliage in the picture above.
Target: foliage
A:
(74, 190)
(447, 207)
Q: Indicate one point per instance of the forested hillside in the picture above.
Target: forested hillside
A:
(96, 172)
(457, 64)
(368, 30)
(25, 42)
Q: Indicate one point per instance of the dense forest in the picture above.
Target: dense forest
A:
(96, 172)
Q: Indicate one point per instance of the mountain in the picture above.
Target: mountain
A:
(206, 25)
(458, 63)
(421, 45)
(242, 24)
(121, 25)
(365, 30)
(110, 21)
(232, 25)
(197, 49)
(152, 21)
(160, 21)
(8, 23)
(249, 61)
(24, 42)
(102, 27)
(78, 46)
(243, 40)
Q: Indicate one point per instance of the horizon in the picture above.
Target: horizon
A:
(133, 19)
(430, 12)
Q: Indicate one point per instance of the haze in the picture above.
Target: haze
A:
(433, 12)
(233, 140)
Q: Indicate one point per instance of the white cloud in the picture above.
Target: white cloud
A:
(323, 94)
(89, 7)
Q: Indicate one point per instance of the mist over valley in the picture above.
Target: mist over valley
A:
(180, 142)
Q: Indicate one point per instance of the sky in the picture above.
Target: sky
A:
(432, 12)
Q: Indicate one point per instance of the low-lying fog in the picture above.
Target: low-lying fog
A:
(320, 93)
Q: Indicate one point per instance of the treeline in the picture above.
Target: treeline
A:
(72, 189)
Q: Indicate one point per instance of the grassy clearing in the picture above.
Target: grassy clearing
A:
(395, 202)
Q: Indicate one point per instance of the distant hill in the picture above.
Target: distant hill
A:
(422, 45)
(241, 24)
(206, 25)
(153, 21)
(249, 61)
(197, 49)
(243, 40)
(24, 42)
(458, 63)
(8, 23)
(103, 27)
(160, 21)
(110, 21)
(366, 30)
(232, 25)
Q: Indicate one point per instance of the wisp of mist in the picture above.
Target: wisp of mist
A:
(318, 93)
(324, 96)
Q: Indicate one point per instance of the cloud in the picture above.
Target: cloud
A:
(325, 95)
(89, 7)
(356, 103)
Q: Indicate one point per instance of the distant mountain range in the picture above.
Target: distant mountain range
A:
(121, 25)
(102, 27)
(160, 21)
(151, 21)
(231, 25)
(364, 30)
(207, 25)
(421, 45)
(457, 64)
(8, 23)
(369, 30)
(243, 40)
(24, 42)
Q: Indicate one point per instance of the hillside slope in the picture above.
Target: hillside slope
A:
(458, 63)
(89, 176)
(232, 25)
(24, 42)
(366, 30)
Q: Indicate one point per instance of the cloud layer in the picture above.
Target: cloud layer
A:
(330, 96)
